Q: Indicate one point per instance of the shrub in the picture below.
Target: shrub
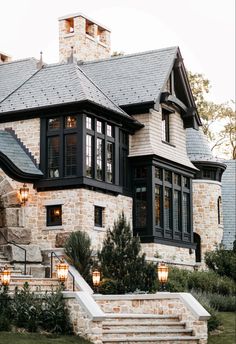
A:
(53, 316)
(223, 262)
(5, 309)
(79, 253)
(122, 262)
(177, 280)
(222, 303)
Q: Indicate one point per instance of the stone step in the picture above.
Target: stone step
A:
(147, 332)
(140, 324)
(35, 284)
(114, 318)
(153, 340)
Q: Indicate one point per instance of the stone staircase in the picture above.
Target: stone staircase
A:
(147, 328)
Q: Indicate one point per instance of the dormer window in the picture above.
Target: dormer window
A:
(69, 25)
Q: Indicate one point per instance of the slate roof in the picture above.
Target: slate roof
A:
(13, 151)
(198, 148)
(135, 78)
(13, 74)
(57, 84)
(229, 203)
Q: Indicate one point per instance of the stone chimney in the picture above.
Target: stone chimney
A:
(4, 58)
(89, 40)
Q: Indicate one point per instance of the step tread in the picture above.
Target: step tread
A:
(150, 339)
(139, 315)
(150, 331)
(130, 323)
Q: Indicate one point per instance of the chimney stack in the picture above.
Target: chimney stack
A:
(90, 40)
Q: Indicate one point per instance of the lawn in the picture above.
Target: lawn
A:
(35, 338)
(228, 336)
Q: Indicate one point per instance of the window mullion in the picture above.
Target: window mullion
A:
(61, 147)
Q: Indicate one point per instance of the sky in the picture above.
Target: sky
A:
(203, 29)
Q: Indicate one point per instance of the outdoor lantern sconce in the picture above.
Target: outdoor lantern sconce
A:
(96, 276)
(62, 271)
(5, 276)
(24, 194)
(162, 272)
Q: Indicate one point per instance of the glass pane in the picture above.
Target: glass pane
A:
(53, 157)
(88, 155)
(54, 215)
(177, 211)
(109, 130)
(158, 173)
(177, 179)
(98, 216)
(158, 202)
(70, 155)
(70, 122)
(109, 161)
(99, 127)
(88, 122)
(167, 206)
(186, 182)
(99, 159)
(168, 176)
(141, 206)
(186, 213)
(54, 123)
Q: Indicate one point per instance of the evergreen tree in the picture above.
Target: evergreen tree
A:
(122, 262)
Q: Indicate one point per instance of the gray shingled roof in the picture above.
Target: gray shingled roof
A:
(133, 79)
(57, 84)
(12, 150)
(198, 148)
(229, 203)
(13, 74)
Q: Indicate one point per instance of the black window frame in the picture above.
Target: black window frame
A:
(165, 125)
(98, 216)
(49, 215)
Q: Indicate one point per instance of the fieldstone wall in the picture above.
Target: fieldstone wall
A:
(28, 131)
(205, 213)
(86, 47)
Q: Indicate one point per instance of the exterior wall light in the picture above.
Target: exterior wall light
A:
(62, 271)
(162, 272)
(24, 194)
(5, 276)
(96, 276)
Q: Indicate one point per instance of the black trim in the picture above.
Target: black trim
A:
(138, 108)
(154, 239)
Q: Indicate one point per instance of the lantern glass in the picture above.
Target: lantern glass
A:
(162, 272)
(62, 271)
(96, 277)
(24, 193)
(5, 276)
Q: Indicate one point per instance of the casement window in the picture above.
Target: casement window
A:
(219, 210)
(165, 129)
(162, 204)
(98, 216)
(99, 150)
(54, 215)
(62, 147)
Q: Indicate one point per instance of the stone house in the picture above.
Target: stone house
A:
(95, 135)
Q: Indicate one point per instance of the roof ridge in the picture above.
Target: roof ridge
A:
(127, 55)
(95, 85)
(20, 60)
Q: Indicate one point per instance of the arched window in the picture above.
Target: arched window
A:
(219, 207)
(197, 241)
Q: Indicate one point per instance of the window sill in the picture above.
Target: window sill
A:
(69, 34)
(168, 143)
(99, 229)
(47, 228)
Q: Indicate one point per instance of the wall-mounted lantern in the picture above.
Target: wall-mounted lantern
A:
(5, 276)
(62, 271)
(162, 272)
(96, 277)
(24, 194)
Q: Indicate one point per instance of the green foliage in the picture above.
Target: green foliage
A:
(5, 309)
(223, 303)
(108, 286)
(53, 316)
(79, 253)
(223, 262)
(122, 262)
(177, 280)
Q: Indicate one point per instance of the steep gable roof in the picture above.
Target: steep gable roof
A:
(135, 78)
(57, 84)
(14, 74)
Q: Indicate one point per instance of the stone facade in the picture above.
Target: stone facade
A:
(89, 40)
(148, 140)
(205, 213)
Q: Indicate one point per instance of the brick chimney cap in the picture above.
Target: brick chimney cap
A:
(79, 14)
